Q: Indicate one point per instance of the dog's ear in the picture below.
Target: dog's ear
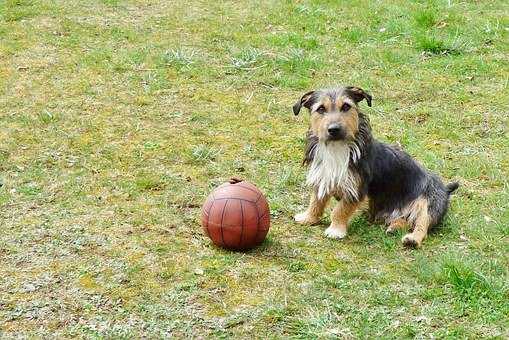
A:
(306, 100)
(358, 94)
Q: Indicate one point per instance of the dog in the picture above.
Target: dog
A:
(346, 162)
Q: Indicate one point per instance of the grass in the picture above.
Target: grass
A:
(117, 118)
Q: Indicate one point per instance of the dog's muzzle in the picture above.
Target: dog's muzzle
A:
(336, 132)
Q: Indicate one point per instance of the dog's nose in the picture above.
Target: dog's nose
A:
(336, 131)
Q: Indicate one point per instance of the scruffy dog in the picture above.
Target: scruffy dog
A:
(346, 162)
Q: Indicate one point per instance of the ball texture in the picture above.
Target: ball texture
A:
(236, 216)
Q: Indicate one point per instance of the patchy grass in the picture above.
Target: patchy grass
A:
(117, 118)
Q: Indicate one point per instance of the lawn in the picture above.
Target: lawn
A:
(117, 118)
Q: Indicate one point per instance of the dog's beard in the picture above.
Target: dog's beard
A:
(329, 172)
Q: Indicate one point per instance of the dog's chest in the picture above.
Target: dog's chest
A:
(329, 172)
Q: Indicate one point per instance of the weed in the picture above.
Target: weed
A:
(246, 59)
(179, 58)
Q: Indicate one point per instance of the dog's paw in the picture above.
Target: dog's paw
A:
(335, 232)
(304, 218)
(409, 241)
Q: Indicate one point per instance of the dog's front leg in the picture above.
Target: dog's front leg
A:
(315, 210)
(340, 217)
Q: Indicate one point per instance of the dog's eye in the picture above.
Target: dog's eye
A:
(321, 109)
(345, 107)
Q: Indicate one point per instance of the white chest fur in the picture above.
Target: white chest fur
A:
(329, 172)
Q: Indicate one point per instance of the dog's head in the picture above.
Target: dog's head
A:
(334, 112)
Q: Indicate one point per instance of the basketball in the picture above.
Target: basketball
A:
(236, 216)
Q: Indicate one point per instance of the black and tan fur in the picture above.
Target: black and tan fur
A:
(347, 163)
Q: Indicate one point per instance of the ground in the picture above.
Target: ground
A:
(117, 118)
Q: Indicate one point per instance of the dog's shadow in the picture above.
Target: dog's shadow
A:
(362, 230)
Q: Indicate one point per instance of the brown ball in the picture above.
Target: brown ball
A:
(236, 216)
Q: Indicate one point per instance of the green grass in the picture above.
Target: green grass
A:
(117, 118)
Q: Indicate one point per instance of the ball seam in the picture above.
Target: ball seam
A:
(247, 188)
(222, 218)
(242, 223)
(257, 223)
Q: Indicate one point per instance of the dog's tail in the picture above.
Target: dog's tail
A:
(451, 187)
